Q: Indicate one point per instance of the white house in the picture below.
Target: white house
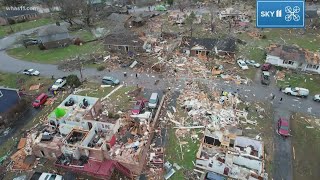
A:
(293, 58)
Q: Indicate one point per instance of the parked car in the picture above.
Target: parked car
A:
(107, 80)
(45, 176)
(283, 127)
(316, 97)
(252, 63)
(30, 42)
(59, 83)
(40, 100)
(265, 77)
(266, 67)
(242, 64)
(153, 101)
(214, 176)
(31, 72)
(138, 107)
(296, 91)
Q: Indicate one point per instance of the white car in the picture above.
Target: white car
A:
(59, 83)
(316, 97)
(296, 91)
(49, 176)
(242, 64)
(31, 72)
(252, 63)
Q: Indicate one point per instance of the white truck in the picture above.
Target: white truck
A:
(296, 91)
(59, 83)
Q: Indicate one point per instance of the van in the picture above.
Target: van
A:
(153, 101)
(40, 100)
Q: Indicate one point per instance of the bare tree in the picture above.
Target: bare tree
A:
(87, 11)
(70, 9)
(212, 17)
(75, 64)
(183, 4)
(190, 21)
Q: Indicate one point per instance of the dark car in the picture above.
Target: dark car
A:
(40, 100)
(138, 107)
(265, 78)
(107, 80)
(283, 127)
(266, 67)
(30, 42)
(214, 176)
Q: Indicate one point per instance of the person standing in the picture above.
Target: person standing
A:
(136, 75)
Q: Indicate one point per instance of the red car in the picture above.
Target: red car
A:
(266, 67)
(138, 107)
(40, 100)
(283, 127)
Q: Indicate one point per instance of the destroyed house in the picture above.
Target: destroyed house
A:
(125, 42)
(79, 131)
(231, 155)
(202, 47)
(293, 58)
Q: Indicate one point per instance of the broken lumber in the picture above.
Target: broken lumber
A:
(191, 127)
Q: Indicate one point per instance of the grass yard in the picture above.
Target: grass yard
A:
(121, 100)
(174, 154)
(94, 90)
(53, 56)
(306, 144)
(5, 30)
(20, 81)
(83, 35)
(310, 82)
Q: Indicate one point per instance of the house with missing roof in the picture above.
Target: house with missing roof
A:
(293, 58)
(202, 47)
(229, 154)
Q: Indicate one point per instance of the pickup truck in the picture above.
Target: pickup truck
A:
(59, 83)
(45, 176)
(296, 91)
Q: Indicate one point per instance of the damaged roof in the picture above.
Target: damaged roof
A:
(226, 44)
(124, 38)
(293, 53)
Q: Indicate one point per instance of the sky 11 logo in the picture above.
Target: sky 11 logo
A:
(280, 14)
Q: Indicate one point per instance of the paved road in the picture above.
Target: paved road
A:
(282, 158)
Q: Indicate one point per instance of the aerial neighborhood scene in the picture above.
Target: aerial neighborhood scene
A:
(159, 89)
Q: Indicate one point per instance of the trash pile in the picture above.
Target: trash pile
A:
(214, 110)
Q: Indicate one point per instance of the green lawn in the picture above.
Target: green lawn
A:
(95, 90)
(18, 80)
(121, 99)
(53, 56)
(83, 35)
(306, 144)
(5, 30)
(310, 82)
(173, 153)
